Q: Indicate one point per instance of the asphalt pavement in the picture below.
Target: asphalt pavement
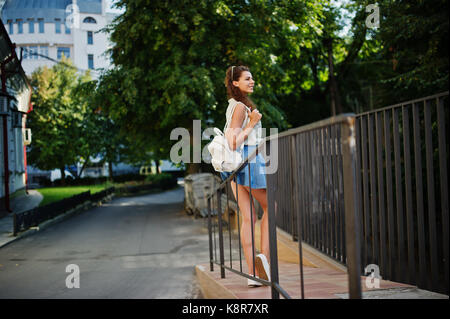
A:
(134, 247)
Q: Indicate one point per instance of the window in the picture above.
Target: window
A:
(57, 25)
(32, 51)
(91, 61)
(43, 50)
(24, 53)
(11, 26)
(90, 39)
(67, 29)
(89, 20)
(41, 25)
(30, 25)
(20, 25)
(63, 50)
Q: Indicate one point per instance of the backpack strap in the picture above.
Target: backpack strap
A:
(233, 106)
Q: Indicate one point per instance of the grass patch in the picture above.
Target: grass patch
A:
(54, 194)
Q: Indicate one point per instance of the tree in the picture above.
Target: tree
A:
(172, 58)
(57, 118)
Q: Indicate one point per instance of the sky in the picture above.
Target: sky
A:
(109, 4)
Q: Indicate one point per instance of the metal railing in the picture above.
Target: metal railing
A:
(33, 217)
(402, 185)
(314, 188)
(403, 191)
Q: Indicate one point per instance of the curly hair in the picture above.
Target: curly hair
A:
(235, 92)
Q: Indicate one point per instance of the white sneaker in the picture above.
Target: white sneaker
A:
(263, 267)
(254, 283)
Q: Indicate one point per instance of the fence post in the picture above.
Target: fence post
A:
(271, 180)
(15, 230)
(221, 252)
(211, 263)
(352, 235)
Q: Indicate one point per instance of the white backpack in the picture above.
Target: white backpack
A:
(223, 158)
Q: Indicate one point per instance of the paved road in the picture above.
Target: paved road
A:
(136, 247)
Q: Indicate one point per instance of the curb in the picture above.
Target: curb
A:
(72, 212)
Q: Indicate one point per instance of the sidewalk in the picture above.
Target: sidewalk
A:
(18, 204)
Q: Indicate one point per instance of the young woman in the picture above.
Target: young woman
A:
(245, 128)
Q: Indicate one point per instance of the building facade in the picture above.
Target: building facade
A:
(15, 95)
(45, 30)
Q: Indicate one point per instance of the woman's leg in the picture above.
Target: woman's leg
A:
(246, 226)
(261, 197)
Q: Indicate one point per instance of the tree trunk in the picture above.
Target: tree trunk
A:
(157, 166)
(193, 168)
(63, 177)
(336, 107)
(82, 168)
(110, 170)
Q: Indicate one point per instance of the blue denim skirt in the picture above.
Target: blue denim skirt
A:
(257, 170)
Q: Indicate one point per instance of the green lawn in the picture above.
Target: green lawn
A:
(53, 194)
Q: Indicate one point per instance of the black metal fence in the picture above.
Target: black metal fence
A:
(30, 218)
(402, 186)
(403, 191)
(312, 192)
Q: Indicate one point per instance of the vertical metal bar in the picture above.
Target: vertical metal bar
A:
(389, 192)
(327, 158)
(366, 212)
(251, 216)
(239, 224)
(444, 186)
(337, 245)
(296, 202)
(317, 189)
(221, 252)
(381, 200)
(399, 198)
(351, 208)
(15, 228)
(373, 192)
(272, 185)
(229, 224)
(341, 196)
(320, 183)
(211, 261)
(290, 180)
(308, 161)
(431, 196)
(301, 176)
(310, 188)
(335, 190)
(419, 196)
(322, 191)
(312, 191)
(408, 196)
(359, 185)
(214, 235)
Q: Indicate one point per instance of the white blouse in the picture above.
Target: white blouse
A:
(255, 136)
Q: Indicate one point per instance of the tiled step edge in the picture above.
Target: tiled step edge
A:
(211, 288)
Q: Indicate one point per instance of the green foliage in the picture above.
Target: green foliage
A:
(58, 116)
(171, 58)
